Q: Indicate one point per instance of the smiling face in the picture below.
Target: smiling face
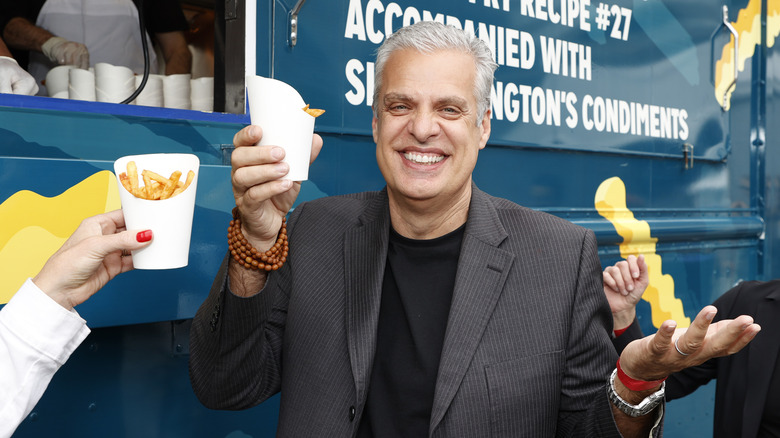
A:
(426, 127)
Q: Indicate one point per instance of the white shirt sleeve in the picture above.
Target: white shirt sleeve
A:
(37, 336)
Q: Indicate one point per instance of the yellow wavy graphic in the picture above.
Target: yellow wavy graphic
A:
(35, 226)
(748, 27)
(611, 204)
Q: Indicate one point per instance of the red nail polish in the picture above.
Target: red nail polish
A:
(144, 236)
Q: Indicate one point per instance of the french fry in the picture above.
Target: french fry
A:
(171, 185)
(125, 182)
(132, 175)
(313, 112)
(183, 186)
(147, 186)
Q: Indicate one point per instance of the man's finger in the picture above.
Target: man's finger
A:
(608, 279)
(662, 340)
(693, 338)
(316, 146)
(730, 336)
(625, 277)
(248, 136)
(633, 266)
(253, 156)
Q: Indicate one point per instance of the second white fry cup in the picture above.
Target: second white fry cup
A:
(169, 219)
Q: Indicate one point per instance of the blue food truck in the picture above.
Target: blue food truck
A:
(652, 122)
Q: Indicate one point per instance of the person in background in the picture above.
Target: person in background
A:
(747, 394)
(39, 327)
(13, 78)
(45, 33)
(429, 308)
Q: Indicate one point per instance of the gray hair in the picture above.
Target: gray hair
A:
(430, 36)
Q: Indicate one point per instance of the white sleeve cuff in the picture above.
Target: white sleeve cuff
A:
(44, 324)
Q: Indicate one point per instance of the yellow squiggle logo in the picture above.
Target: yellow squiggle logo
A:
(35, 226)
(748, 27)
(611, 204)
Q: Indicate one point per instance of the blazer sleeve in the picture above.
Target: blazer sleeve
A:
(633, 332)
(236, 342)
(586, 410)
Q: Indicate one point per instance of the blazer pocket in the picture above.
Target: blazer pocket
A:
(524, 395)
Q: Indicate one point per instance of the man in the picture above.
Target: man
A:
(45, 33)
(429, 308)
(747, 403)
(14, 79)
(39, 327)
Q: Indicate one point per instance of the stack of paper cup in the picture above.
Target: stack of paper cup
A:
(169, 219)
(202, 94)
(81, 84)
(57, 80)
(152, 94)
(113, 83)
(176, 91)
(278, 108)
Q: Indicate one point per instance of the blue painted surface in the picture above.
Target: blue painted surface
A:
(717, 223)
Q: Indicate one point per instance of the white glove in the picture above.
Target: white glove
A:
(14, 79)
(65, 52)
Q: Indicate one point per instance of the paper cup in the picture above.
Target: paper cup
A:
(176, 91)
(113, 83)
(278, 108)
(57, 80)
(152, 94)
(81, 84)
(170, 220)
(202, 94)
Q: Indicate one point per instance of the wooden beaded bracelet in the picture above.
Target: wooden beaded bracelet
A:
(248, 256)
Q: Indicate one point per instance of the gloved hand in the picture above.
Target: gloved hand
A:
(14, 79)
(65, 52)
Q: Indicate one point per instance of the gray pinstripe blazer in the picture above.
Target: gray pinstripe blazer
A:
(527, 349)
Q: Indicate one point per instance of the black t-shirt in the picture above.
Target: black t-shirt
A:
(159, 16)
(416, 296)
(770, 422)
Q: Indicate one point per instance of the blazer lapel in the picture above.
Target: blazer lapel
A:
(365, 255)
(482, 271)
(762, 353)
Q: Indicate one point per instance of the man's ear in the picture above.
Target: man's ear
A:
(374, 123)
(485, 125)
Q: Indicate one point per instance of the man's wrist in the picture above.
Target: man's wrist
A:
(622, 320)
(633, 403)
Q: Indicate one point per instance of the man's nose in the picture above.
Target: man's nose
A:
(424, 124)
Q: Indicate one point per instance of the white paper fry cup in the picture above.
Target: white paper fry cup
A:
(152, 94)
(176, 91)
(57, 80)
(113, 83)
(81, 84)
(169, 219)
(278, 108)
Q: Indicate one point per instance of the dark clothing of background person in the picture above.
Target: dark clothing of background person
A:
(747, 394)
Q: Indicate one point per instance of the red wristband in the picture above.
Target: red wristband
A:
(636, 385)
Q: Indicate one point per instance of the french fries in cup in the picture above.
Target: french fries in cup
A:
(157, 192)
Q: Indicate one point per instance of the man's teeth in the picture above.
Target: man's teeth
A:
(423, 159)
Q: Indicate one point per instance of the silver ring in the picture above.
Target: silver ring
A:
(678, 348)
